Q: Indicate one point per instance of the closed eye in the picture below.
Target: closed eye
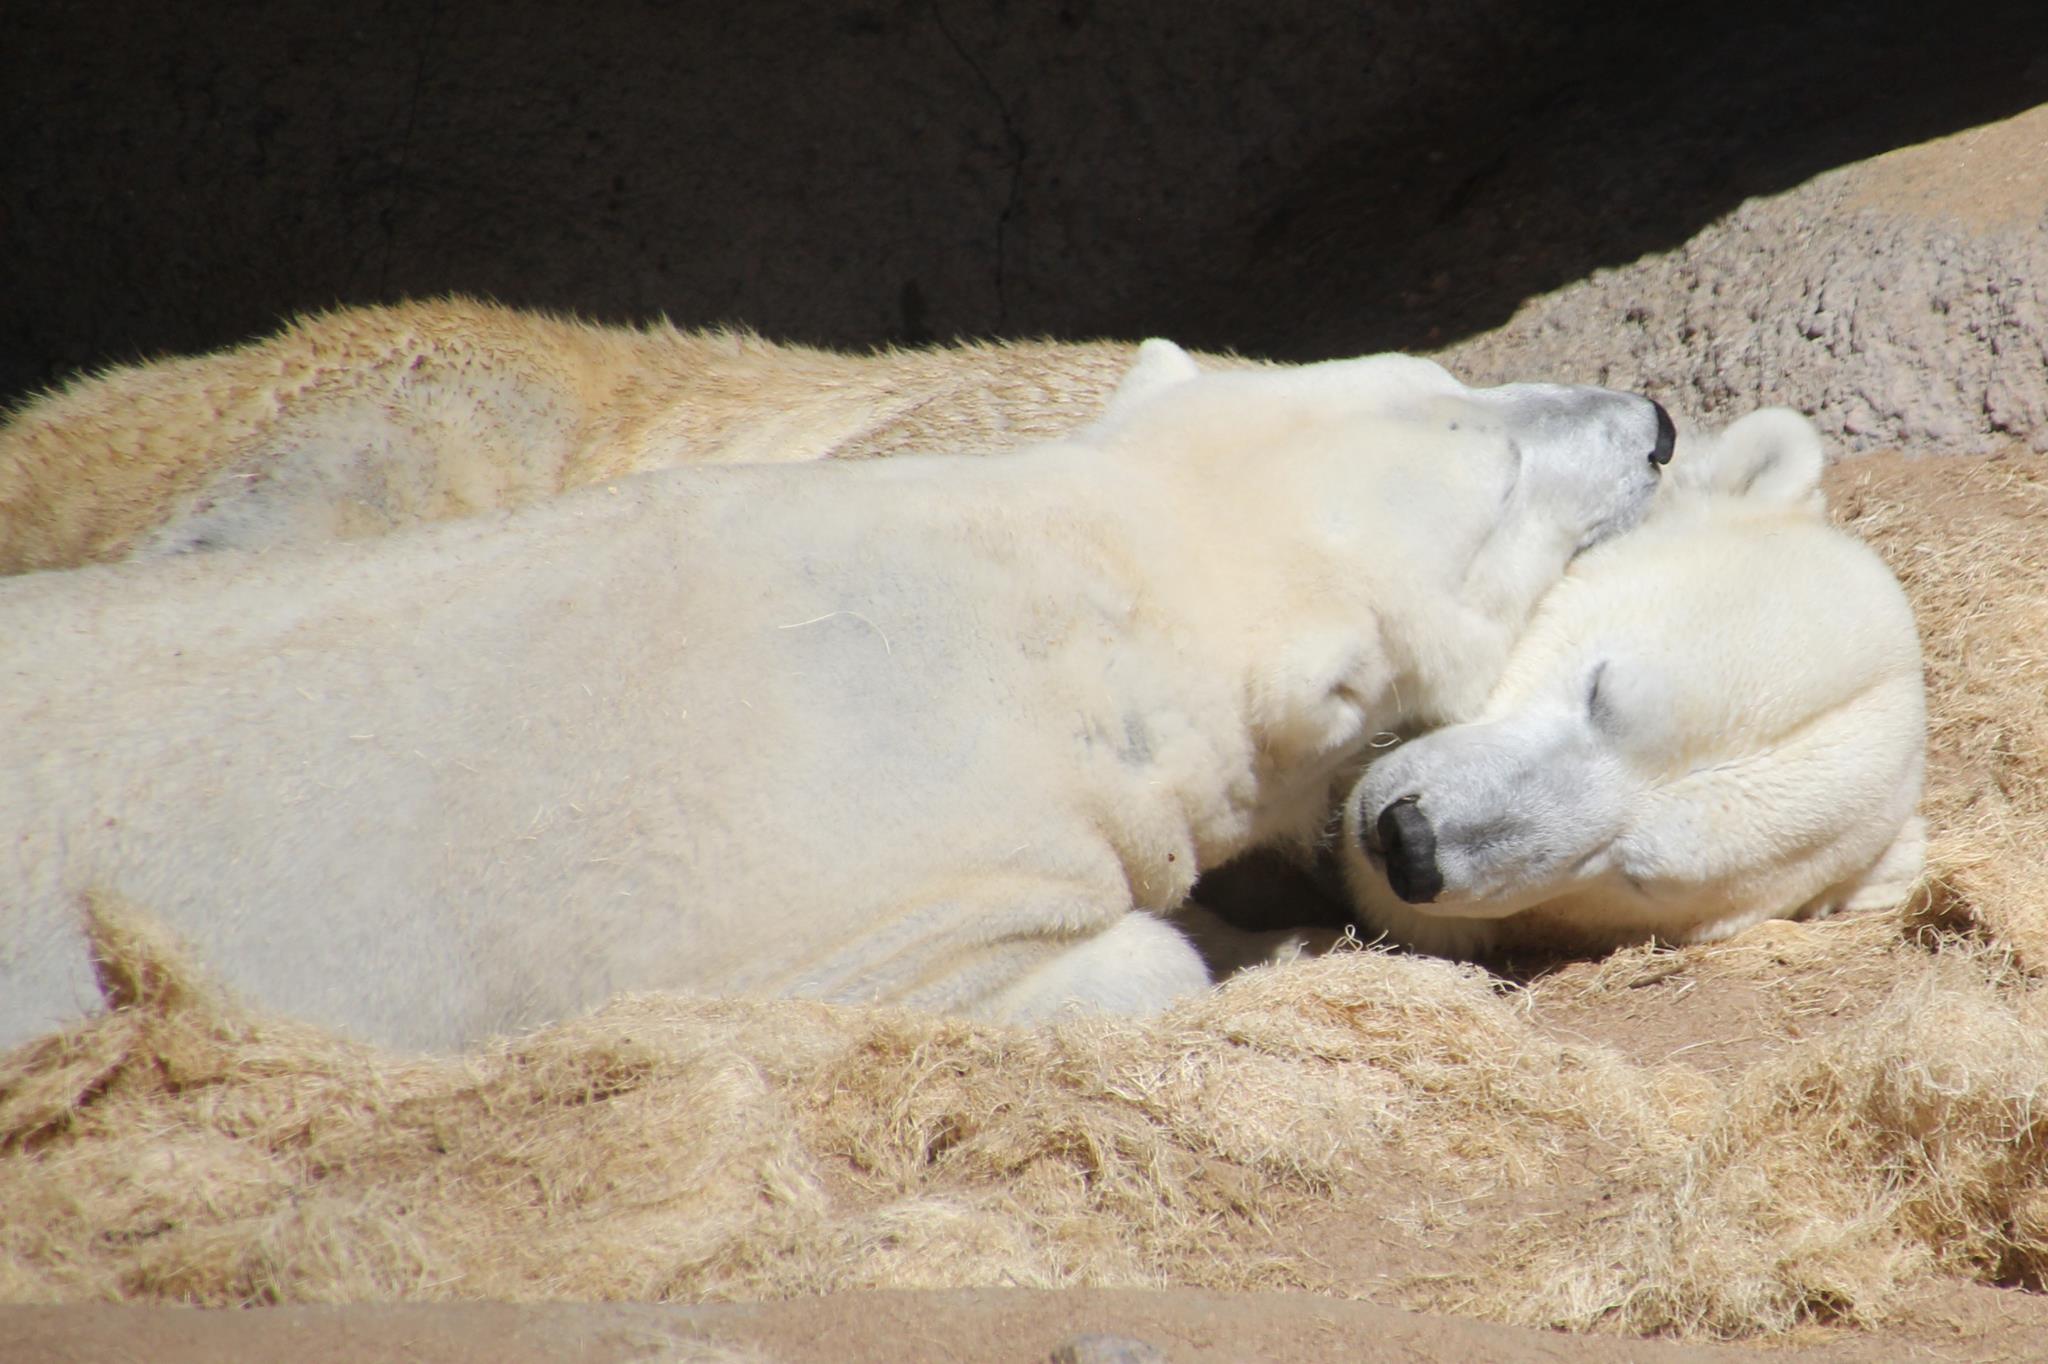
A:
(1594, 709)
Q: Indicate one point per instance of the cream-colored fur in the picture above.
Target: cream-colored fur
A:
(1715, 719)
(365, 419)
(924, 729)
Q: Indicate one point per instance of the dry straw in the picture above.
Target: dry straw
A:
(181, 1149)
(1829, 1180)
(1867, 1142)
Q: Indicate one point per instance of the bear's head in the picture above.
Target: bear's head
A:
(1386, 528)
(1399, 435)
(1714, 719)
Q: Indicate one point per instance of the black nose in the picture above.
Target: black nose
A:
(1667, 436)
(1408, 846)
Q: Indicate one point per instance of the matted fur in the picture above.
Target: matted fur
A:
(352, 422)
(180, 1149)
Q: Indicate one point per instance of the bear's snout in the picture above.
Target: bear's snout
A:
(1667, 436)
(1407, 847)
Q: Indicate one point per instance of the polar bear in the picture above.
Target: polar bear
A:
(943, 731)
(365, 419)
(1713, 720)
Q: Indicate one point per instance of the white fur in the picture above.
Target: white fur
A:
(1753, 748)
(925, 729)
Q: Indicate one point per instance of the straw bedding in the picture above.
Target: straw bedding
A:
(1812, 1122)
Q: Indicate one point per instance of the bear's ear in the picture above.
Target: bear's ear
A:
(1160, 365)
(1772, 456)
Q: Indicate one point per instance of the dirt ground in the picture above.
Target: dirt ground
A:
(999, 1326)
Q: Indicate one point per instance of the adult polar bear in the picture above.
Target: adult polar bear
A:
(1715, 719)
(935, 730)
(363, 420)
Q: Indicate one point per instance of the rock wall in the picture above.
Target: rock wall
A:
(1903, 301)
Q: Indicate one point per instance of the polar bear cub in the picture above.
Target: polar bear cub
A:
(1713, 720)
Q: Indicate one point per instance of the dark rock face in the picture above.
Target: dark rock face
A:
(1287, 178)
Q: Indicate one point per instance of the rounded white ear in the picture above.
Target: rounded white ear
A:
(1773, 455)
(1160, 365)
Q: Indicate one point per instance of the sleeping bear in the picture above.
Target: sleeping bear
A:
(949, 732)
(1714, 719)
